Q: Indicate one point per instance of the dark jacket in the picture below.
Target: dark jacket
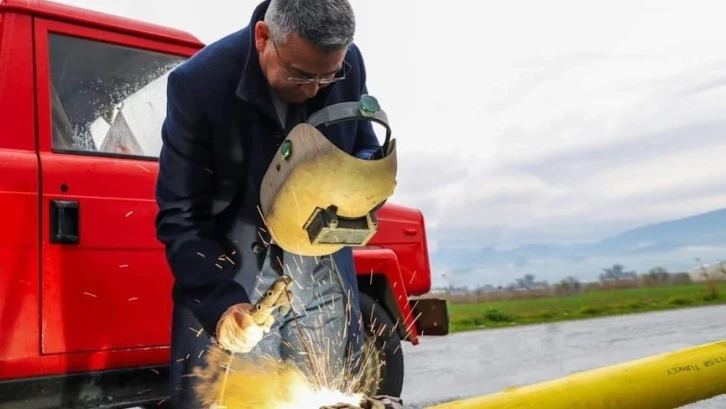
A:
(219, 136)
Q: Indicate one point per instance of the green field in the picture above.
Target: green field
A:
(499, 314)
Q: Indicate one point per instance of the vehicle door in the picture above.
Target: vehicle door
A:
(101, 102)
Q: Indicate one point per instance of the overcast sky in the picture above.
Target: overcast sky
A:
(556, 121)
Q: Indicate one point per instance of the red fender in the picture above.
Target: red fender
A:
(370, 262)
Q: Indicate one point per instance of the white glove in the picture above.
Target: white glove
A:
(237, 331)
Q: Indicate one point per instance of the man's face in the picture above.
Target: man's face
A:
(296, 70)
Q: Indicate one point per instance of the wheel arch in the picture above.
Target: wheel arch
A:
(377, 287)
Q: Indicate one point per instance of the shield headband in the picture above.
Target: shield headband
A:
(315, 198)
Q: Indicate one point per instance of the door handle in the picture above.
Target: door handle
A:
(64, 221)
(410, 231)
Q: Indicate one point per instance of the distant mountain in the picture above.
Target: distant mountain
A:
(673, 244)
(703, 229)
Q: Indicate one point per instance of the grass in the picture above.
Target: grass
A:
(497, 314)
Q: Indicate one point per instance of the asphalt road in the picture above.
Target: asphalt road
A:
(480, 362)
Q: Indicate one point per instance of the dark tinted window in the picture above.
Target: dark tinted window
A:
(107, 99)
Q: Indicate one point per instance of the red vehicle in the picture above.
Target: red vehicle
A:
(85, 302)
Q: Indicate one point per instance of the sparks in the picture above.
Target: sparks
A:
(413, 275)
(268, 383)
(319, 378)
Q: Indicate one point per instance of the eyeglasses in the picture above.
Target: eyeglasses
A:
(310, 79)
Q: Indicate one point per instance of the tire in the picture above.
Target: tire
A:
(382, 345)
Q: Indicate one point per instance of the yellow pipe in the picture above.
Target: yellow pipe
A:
(665, 381)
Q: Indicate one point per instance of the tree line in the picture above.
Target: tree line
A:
(616, 276)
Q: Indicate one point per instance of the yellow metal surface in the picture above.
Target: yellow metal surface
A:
(665, 381)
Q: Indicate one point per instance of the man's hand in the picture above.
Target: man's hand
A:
(237, 331)
(375, 402)
(382, 402)
(242, 326)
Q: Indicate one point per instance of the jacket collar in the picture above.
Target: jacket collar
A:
(253, 85)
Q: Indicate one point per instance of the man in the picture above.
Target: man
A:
(229, 108)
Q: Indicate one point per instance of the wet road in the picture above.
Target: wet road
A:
(476, 363)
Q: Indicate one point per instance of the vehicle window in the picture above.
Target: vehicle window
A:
(107, 99)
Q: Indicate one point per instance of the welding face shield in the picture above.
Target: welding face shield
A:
(316, 198)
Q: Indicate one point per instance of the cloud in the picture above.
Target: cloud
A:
(527, 121)
(591, 138)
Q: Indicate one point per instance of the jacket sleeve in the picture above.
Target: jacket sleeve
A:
(195, 250)
(366, 142)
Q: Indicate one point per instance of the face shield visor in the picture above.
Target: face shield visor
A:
(316, 198)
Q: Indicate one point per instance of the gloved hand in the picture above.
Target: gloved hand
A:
(382, 402)
(237, 331)
(242, 326)
(375, 402)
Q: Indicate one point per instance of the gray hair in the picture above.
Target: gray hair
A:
(327, 24)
